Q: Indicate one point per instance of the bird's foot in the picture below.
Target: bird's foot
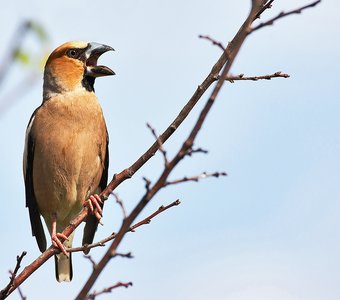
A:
(58, 243)
(93, 204)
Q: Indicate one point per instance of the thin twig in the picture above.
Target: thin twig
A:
(147, 183)
(89, 257)
(126, 255)
(120, 203)
(192, 151)
(239, 77)
(196, 178)
(265, 6)
(285, 14)
(22, 297)
(6, 291)
(108, 290)
(148, 219)
(161, 148)
(102, 242)
(213, 41)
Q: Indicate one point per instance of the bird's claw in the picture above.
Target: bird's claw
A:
(57, 242)
(93, 204)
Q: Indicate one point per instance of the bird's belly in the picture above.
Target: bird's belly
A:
(67, 169)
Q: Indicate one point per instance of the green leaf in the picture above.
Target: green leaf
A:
(22, 57)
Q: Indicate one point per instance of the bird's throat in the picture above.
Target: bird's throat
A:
(88, 83)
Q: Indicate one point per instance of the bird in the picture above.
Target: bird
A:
(66, 156)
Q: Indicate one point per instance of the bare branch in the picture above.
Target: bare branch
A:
(148, 219)
(102, 242)
(225, 62)
(192, 151)
(265, 6)
(120, 203)
(255, 78)
(196, 178)
(126, 255)
(161, 148)
(108, 290)
(22, 297)
(285, 14)
(6, 291)
(147, 183)
(89, 257)
(213, 41)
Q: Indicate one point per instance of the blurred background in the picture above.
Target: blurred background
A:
(267, 231)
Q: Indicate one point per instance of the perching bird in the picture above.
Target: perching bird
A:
(66, 150)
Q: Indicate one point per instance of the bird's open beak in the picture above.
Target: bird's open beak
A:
(92, 54)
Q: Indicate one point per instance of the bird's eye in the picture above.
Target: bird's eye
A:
(72, 53)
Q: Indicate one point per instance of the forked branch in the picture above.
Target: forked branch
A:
(219, 73)
(225, 62)
(196, 178)
(133, 228)
(5, 291)
(108, 290)
(285, 14)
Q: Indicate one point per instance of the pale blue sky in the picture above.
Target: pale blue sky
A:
(267, 231)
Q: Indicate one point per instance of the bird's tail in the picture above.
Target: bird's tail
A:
(63, 263)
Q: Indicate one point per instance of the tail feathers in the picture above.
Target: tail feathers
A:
(63, 263)
(89, 231)
(63, 267)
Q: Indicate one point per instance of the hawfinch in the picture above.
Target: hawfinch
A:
(66, 150)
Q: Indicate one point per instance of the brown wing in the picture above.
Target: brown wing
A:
(92, 221)
(31, 202)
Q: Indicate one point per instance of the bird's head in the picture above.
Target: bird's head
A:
(73, 65)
